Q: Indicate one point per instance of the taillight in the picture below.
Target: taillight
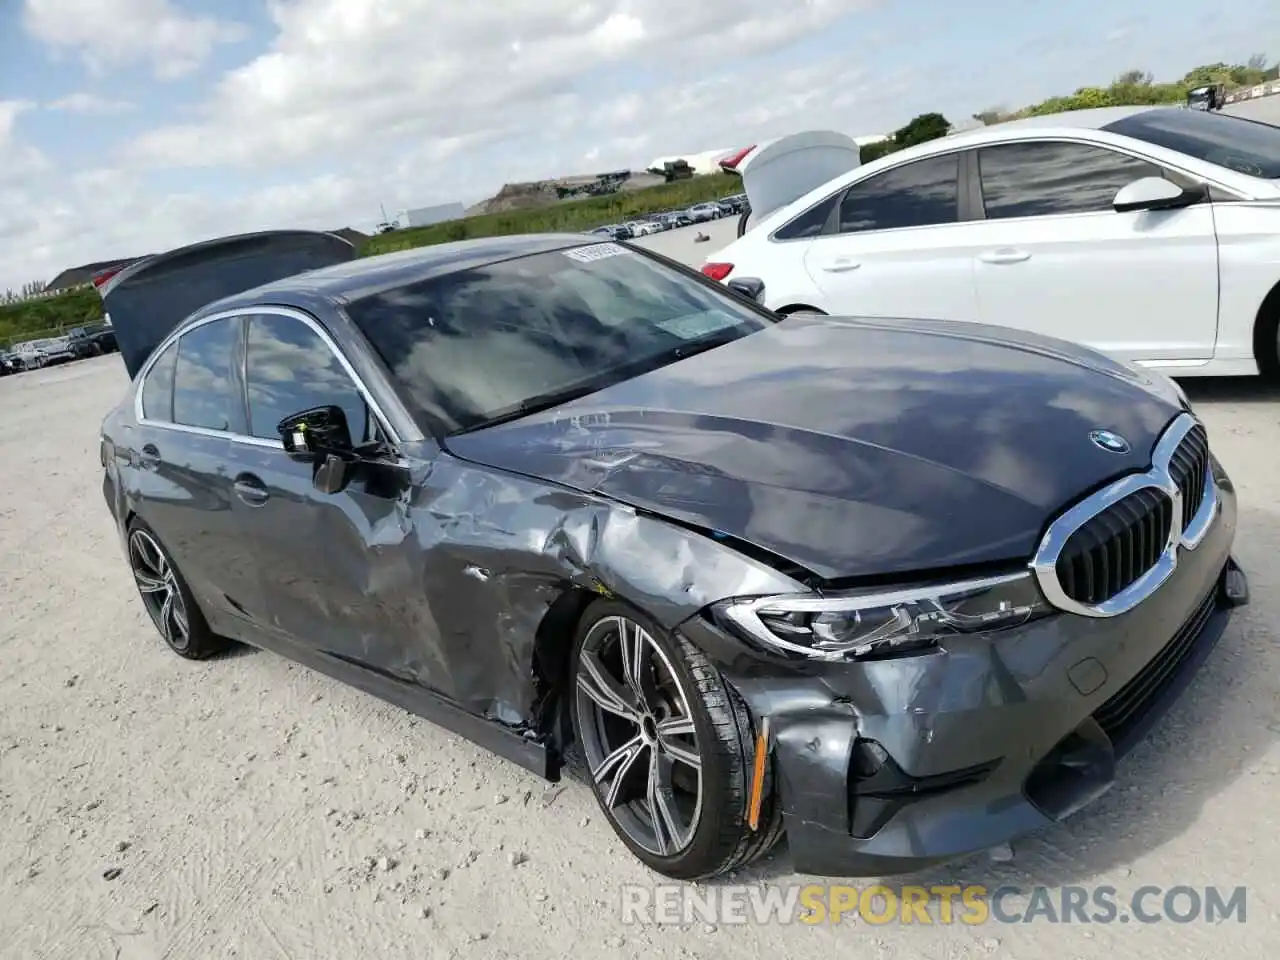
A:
(730, 163)
(717, 271)
(100, 279)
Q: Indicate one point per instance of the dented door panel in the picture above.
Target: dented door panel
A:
(439, 574)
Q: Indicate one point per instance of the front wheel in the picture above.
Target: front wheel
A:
(668, 747)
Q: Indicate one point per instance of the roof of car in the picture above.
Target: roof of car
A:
(1094, 119)
(364, 276)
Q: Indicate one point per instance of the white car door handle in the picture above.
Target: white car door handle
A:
(1004, 255)
(841, 266)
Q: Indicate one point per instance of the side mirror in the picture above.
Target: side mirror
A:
(321, 436)
(749, 287)
(316, 433)
(1156, 193)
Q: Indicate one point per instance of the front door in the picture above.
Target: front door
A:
(900, 248)
(1056, 258)
(337, 566)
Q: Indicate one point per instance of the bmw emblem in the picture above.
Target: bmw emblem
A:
(1110, 442)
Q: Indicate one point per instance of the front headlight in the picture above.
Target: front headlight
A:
(868, 625)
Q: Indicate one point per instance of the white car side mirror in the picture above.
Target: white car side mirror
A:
(1155, 193)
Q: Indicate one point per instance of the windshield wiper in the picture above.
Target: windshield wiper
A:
(532, 405)
(692, 348)
(553, 398)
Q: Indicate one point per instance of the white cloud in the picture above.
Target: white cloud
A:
(114, 33)
(90, 104)
(478, 66)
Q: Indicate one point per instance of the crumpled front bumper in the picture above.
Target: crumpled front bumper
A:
(892, 766)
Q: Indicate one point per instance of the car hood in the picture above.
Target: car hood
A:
(852, 447)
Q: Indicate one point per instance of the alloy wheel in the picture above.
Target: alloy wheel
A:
(639, 737)
(158, 585)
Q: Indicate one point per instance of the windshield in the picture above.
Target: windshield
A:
(1245, 146)
(482, 345)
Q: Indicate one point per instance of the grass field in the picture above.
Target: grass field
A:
(47, 317)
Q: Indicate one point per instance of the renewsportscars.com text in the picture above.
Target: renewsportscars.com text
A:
(969, 904)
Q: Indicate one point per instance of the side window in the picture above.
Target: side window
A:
(157, 391)
(290, 369)
(809, 223)
(919, 194)
(1042, 179)
(202, 385)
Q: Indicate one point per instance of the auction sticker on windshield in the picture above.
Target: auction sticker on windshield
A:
(596, 251)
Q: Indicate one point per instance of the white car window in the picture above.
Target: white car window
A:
(1237, 143)
(1044, 178)
(920, 194)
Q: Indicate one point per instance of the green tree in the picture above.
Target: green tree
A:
(926, 127)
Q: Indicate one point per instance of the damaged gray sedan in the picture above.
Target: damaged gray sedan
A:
(901, 590)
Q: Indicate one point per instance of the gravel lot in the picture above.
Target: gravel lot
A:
(247, 807)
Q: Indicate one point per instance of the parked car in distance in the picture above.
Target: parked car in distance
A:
(642, 228)
(614, 231)
(572, 500)
(1150, 234)
(92, 340)
(702, 212)
(35, 354)
(9, 363)
(1211, 97)
(677, 219)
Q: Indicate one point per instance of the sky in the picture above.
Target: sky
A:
(132, 126)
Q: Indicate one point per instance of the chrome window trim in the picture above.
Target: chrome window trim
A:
(1045, 562)
(307, 320)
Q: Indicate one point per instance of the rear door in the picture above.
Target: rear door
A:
(181, 457)
(898, 246)
(1055, 257)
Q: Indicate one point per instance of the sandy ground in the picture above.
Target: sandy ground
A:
(249, 808)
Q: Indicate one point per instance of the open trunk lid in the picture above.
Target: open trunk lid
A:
(777, 172)
(149, 297)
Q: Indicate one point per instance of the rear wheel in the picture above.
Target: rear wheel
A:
(668, 747)
(742, 221)
(168, 599)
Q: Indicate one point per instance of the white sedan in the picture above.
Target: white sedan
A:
(1151, 234)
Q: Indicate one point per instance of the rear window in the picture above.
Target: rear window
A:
(1245, 146)
(477, 345)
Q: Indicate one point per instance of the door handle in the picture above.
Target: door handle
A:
(251, 490)
(149, 455)
(1005, 255)
(841, 266)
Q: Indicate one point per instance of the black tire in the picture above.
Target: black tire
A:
(720, 840)
(190, 636)
(742, 221)
(1266, 341)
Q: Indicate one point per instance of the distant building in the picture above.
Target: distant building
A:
(425, 216)
(81, 276)
(704, 162)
